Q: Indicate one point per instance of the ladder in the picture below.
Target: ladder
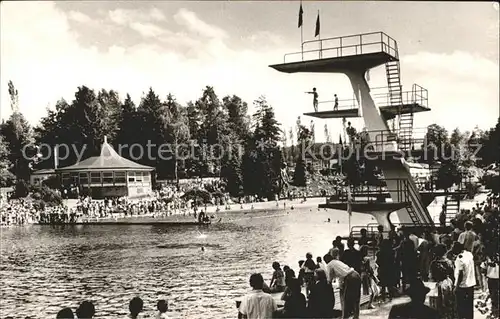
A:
(405, 124)
(413, 215)
(452, 207)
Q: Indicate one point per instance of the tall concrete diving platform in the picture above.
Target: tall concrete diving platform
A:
(353, 56)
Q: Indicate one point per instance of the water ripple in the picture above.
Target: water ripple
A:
(45, 268)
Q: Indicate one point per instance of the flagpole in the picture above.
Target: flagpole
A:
(301, 26)
(320, 43)
(302, 39)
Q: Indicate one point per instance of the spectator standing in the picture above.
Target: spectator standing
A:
(465, 280)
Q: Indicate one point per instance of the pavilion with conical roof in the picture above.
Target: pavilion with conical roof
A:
(108, 175)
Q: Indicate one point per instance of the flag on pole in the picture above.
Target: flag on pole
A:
(316, 32)
(301, 12)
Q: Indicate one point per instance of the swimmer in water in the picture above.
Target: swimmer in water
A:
(202, 248)
(328, 219)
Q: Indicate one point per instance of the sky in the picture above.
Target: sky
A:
(48, 49)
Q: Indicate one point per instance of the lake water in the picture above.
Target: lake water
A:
(45, 268)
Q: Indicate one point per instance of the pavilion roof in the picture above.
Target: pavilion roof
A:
(107, 160)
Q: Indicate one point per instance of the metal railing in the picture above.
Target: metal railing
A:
(343, 46)
(418, 95)
(347, 104)
(373, 194)
(386, 140)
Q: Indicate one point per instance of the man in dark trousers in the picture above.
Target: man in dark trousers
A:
(315, 99)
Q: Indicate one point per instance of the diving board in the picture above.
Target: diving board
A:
(391, 111)
(335, 114)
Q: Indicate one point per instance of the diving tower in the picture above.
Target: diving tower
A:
(353, 56)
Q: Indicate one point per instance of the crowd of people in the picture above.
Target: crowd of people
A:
(166, 201)
(460, 262)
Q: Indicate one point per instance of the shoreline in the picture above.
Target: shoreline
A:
(187, 219)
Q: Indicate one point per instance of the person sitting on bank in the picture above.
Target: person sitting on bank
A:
(321, 299)
(315, 99)
(416, 308)
(289, 276)
(278, 280)
(295, 303)
(257, 304)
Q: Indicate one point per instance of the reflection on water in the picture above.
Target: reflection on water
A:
(45, 268)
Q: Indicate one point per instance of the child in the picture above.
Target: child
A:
(309, 267)
(368, 280)
(162, 307)
(301, 272)
(278, 279)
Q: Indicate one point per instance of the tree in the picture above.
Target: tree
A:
(17, 135)
(80, 126)
(153, 120)
(212, 129)
(436, 144)
(327, 135)
(127, 124)
(304, 139)
(236, 134)
(237, 117)
(489, 144)
(177, 131)
(6, 177)
(262, 159)
(231, 170)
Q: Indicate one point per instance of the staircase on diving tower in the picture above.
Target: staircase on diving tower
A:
(392, 69)
(452, 207)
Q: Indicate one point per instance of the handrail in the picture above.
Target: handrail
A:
(375, 191)
(385, 138)
(418, 204)
(345, 104)
(383, 43)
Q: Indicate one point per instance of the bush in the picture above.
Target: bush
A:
(21, 189)
(46, 195)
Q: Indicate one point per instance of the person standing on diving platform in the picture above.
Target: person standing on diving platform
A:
(315, 99)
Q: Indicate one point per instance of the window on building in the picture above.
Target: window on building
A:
(138, 177)
(66, 178)
(146, 176)
(84, 178)
(95, 177)
(131, 177)
(107, 177)
(120, 178)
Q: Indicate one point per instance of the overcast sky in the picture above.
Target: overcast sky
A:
(49, 49)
